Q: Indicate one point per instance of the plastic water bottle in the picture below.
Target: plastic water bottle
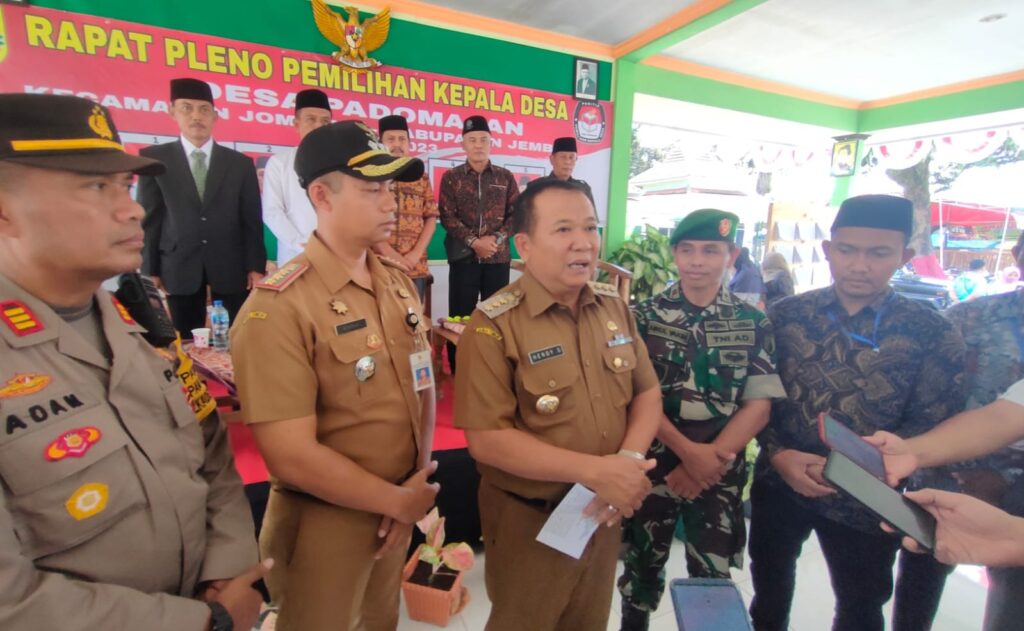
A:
(220, 322)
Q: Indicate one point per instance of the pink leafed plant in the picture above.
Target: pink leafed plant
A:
(455, 556)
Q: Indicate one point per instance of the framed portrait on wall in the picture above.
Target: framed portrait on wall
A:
(584, 79)
(844, 157)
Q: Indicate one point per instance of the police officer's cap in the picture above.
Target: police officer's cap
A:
(353, 149)
(707, 224)
(65, 133)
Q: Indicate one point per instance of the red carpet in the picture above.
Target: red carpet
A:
(252, 469)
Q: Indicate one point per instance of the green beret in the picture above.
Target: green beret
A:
(706, 224)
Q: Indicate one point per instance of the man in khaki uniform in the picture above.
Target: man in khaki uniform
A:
(554, 387)
(120, 504)
(323, 354)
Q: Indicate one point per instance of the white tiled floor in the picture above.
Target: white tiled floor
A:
(960, 610)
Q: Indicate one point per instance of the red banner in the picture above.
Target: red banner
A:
(127, 67)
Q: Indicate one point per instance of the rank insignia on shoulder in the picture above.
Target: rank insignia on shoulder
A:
(500, 302)
(390, 262)
(604, 289)
(283, 277)
(19, 318)
(123, 312)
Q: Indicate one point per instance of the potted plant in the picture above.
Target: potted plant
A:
(649, 257)
(432, 578)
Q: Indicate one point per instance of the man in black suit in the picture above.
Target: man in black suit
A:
(203, 222)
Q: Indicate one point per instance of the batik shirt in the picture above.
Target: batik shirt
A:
(895, 365)
(993, 330)
(708, 359)
(416, 206)
(476, 204)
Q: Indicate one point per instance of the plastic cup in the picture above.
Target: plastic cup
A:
(201, 337)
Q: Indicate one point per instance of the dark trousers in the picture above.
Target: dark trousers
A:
(188, 311)
(859, 564)
(1004, 608)
(919, 585)
(468, 284)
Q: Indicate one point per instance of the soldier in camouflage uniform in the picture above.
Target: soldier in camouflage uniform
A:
(714, 355)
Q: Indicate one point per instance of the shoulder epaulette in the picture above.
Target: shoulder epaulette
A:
(501, 302)
(283, 277)
(390, 262)
(604, 289)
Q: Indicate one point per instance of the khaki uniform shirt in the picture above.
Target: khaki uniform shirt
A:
(296, 346)
(116, 501)
(520, 345)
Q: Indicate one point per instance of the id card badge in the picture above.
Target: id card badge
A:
(422, 370)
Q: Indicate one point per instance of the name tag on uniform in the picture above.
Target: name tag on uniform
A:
(347, 327)
(545, 354)
(669, 333)
(422, 370)
(742, 325)
(733, 338)
(619, 340)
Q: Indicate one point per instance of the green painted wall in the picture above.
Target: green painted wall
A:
(995, 98)
(673, 85)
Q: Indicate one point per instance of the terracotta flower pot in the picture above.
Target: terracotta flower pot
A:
(430, 604)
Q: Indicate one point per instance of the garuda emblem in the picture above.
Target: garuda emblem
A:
(353, 39)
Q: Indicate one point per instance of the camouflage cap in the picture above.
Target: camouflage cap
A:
(706, 224)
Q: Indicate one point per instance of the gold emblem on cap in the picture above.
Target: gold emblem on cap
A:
(98, 123)
(403, 292)
(612, 326)
(617, 362)
(547, 404)
(724, 226)
(339, 307)
(373, 340)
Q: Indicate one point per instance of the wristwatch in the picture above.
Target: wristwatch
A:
(220, 619)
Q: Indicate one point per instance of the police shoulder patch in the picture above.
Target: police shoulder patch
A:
(501, 302)
(604, 289)
(390, 262)
(283, 277)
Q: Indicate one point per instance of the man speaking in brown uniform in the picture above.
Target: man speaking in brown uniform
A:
(555, 387)
(324, 353)
(120, 505)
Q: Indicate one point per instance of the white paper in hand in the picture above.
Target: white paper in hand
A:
(567, 529)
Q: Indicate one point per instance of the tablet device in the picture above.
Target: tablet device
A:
(886, 503)
(708, 603)
(841, 438)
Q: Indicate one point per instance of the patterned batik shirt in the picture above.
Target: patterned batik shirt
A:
(709, 360)
(476, 204)
(895, 365)
(416, 206)
(993, 330)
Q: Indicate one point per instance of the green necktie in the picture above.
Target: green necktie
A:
(199, 171)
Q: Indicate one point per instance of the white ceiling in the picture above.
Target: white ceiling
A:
(865, 49)
(600, 21)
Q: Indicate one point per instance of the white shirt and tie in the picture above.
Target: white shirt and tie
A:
(286, 208)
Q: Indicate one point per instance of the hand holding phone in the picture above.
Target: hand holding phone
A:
(841, 438)
(888, 504)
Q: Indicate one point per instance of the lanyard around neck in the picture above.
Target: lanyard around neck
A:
(856, 337)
